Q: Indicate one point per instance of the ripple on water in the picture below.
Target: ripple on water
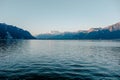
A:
(60, 60)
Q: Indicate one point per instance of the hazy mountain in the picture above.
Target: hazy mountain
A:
(109, 32)
(12, 32)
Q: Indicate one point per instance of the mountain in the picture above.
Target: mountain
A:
(113, 27)
(109, 32)
(13, 32)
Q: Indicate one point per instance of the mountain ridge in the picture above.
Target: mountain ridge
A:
(13, 32)
(109, 32)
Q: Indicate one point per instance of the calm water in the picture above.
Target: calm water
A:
(60, 60)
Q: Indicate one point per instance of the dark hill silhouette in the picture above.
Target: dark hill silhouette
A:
(13, 32)
(110, 32)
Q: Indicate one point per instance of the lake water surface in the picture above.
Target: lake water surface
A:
(60, 60)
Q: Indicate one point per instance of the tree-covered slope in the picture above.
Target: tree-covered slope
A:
(13, 32)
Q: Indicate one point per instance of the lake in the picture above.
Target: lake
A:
(60, 59)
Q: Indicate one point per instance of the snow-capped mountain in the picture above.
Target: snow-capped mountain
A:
(109, 32)
(113, 27)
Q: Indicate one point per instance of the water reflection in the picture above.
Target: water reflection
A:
(11, 46)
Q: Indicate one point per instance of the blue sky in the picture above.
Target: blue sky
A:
(41, 16)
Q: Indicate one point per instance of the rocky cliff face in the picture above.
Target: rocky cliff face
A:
(113, 27)
(13, 32)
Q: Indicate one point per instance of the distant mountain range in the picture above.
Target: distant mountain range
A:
(13, 32)
(110, 32)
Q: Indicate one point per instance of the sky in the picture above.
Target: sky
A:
(43, 16)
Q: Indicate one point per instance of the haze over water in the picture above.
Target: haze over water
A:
(60, 59)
